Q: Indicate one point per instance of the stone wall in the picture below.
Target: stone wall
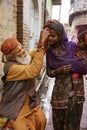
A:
(1, 65)
(8, 14)
(7, 19)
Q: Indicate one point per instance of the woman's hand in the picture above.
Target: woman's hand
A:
(85, 61)
(81, 54)
(63, 69)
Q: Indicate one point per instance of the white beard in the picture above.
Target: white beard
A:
(25, 60)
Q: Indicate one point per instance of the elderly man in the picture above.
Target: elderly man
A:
(19, 103)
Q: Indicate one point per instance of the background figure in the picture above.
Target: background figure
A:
(19, 106)
(81, 52)
(74, 38)
(61, 63)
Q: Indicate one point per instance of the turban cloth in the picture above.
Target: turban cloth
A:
(9, 45)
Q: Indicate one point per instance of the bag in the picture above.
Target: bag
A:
(3, 121)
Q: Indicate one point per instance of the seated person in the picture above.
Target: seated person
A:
(19, 107)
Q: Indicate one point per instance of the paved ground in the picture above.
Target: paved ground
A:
(84, 116)
(46, 90)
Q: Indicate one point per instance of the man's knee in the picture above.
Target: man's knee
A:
(41, 119)
(20, 125)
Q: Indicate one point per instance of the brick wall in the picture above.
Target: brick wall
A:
(20, 20)
(26, 23)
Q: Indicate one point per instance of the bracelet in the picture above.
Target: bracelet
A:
(40, 45)
(53, 73)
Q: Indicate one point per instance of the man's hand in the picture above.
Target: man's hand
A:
(44, 36)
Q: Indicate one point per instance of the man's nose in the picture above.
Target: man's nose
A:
(21, 53)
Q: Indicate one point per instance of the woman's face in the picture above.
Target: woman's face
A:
(53, 37)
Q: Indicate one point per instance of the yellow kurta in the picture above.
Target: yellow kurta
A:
(28, 119)
(24, 72)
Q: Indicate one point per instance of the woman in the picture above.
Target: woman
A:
(61, 63)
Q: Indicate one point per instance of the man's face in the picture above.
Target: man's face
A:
(21, 55)
(25, 60)
(19, 50)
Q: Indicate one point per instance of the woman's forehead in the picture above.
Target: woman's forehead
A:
(51, 32)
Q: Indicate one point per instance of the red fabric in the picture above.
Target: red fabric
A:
(76, 76)
(9, 45)
(8, 126)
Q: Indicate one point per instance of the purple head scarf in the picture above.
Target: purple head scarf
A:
(55, 61)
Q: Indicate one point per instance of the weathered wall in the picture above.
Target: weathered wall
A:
(8, 16)
(78, 11)
(29, 22)
(49, 9)
(7, 19)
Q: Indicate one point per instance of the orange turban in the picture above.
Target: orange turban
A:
(9, 45)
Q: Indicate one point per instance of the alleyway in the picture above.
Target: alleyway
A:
(46, 90)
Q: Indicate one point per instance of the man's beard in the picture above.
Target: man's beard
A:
(25, 60)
